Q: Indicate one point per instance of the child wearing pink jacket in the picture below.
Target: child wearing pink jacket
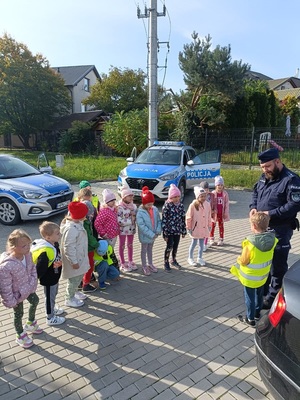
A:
(198, 224)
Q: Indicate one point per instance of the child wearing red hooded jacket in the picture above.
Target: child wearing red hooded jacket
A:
(18, 282)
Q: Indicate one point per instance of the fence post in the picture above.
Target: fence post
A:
(251, 151)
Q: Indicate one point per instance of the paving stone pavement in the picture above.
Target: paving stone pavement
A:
(166, 336)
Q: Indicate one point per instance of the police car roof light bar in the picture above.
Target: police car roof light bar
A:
(167, 143)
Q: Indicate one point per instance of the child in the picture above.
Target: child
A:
(18, 281)
(198, 223)
(254, 264)
(74, 252)
(106, 223)
(149, 227)
(126, 217)
(173, 225)
(86, 196)
(94, 200)
(104, 264)
(220, 205)
(210, 198)
(46, 255)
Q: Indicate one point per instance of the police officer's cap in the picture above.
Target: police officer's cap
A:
(268, 155)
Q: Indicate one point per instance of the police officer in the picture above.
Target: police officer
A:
(277, 193)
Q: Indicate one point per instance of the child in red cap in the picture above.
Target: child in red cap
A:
(149, 227)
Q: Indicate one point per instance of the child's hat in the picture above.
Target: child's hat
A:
(198, 191)
(204, 185)
(102, 248)
(91, 209)
(173, 191)
(84, 184)
(77, 210)
(126, 191)
(147, 196)
(219, 180)
(108, 196)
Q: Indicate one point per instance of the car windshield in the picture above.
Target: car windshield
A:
(11, 167)
(159, 156)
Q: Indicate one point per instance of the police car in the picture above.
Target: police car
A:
(26, 193)
(169, 162)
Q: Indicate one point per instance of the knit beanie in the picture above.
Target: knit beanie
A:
(84, 184)
(77, 210)
(126, 191)
(204, 185)
(219, 180)
(91, 209)
(102, 247)
(147, 196)
(108, 196)
(198, 190)
(173, 191)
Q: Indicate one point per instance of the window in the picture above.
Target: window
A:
(86, 84)
(83, 107)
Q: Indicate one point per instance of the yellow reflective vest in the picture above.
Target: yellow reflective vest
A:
(255, 274)
(106, 257)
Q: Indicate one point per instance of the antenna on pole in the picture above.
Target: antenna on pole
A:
(152, 14)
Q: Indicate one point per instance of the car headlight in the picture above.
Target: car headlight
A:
(123, 173)
(29, 194)
(169, 176)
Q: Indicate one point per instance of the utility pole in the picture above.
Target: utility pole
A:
(152, 14)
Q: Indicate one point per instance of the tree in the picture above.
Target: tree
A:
(77, 139)
(120, 90)
(30, 91)
(289, 106)
(213, 82)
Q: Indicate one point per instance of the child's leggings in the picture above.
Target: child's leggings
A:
(122, 245)
(172, 245)
(146, 252)
(221, 227)
(33, 300)
(193, 245)
(87, 276)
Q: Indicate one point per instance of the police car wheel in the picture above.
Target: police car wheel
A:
(181, 187)
(9, 213)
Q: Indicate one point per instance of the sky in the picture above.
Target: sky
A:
(108, 33)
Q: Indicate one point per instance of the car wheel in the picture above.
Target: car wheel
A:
(181, 187)
(9, 213)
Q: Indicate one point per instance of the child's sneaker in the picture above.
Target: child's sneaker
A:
(176, 264)
(125, 268)
(80, 296)
(74, 302)
(146, 270)
(24, 340)
(200, 261)
(88, 288)
(32, 327)
(152, 268)
(102, 286)
(58, 310)
(220, 242)
(211, 242)
(191, 262)
(132, 265)
(167, 267)
(55, 320)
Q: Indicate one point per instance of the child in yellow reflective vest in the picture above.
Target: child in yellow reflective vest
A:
(104, 264)
(254, 264)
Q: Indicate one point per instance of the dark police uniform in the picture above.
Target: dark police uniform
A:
(281, 197)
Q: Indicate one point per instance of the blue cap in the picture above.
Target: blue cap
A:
(102, 248)
(268, 155)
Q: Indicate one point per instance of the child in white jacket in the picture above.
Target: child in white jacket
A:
(127, 220)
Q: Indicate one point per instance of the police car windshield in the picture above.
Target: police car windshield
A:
(11, 167)
(159, 156)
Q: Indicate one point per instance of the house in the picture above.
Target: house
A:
(285, 87)
(79, 80)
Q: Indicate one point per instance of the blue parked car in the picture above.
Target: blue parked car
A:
(26, 193)
(169, 162)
